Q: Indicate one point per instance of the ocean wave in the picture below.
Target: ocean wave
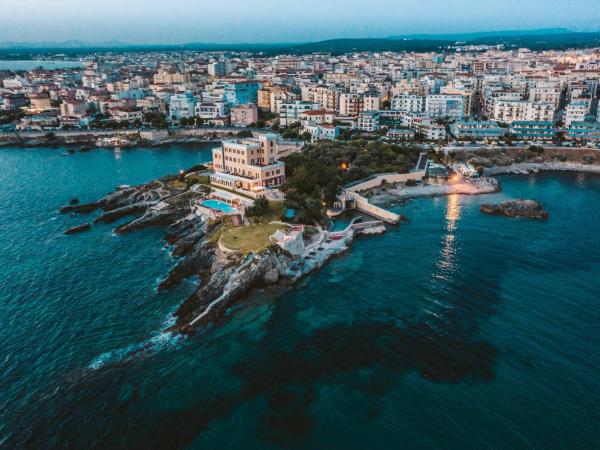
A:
(163, 340)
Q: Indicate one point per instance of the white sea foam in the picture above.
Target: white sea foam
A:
(163, 340)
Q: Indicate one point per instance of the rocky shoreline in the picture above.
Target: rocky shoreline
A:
(525, 168)
(89, 138)
(224, 276)
(517, 208)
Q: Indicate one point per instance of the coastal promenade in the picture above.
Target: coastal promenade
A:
(174, 135)
(352, 199)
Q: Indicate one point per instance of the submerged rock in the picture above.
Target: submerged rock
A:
(518, 208)
(78, 228)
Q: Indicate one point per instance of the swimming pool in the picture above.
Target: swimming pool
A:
(219, 206)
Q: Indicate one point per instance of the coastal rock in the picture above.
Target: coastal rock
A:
(74, 201)
(85, 208)
(517, 208)
(231, 277)
(271, 277)
(116, 214)
(78, 229)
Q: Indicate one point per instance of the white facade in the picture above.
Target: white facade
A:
(291, 112)
(408, 103)
(211, 110)
(182, 105)
(444, 105)
(576, 111)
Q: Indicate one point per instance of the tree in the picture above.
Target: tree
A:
(386, 104)
(261, 205)
(290, 134)
(306, 136)
(244, 134)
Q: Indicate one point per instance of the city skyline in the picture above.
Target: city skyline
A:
(184, 21)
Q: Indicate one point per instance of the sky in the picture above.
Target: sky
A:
(263, 21)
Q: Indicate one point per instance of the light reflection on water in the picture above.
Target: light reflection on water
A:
(447, 259)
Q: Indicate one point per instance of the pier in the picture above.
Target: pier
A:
(350, 197)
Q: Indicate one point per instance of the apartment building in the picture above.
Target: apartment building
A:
(475, 130)
(577, 111)
(292, 112)
(511, 111)
(73, 108)
(207, 111)
(408, 103)
(323, 132)
(165, 77)
(241, 92)
(444, 105)
(584, 131)
(351, 105)
(182, 106)
(219, 68)
(244, 115)
(39, 102)
(536, 130)
(316, 117)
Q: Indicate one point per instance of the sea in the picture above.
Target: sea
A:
(43, 63)
(454, 330)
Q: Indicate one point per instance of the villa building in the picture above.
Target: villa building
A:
(248, 164)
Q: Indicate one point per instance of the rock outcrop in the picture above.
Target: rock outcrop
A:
(78, 228)
(224, 277)
(517, 208)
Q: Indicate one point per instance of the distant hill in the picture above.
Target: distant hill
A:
(483, 34)
(337, 46)
(554, 41)
(545, 39)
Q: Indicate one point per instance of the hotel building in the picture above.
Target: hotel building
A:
(248, 164)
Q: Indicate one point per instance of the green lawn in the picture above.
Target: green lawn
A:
(251, 238)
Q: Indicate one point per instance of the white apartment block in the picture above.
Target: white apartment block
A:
(291, 112)
(576, 111)
(182, 105)
(208, 111)
(368, 121)
(548, 92)
(408, 103)
(512, 111)
(444, 105)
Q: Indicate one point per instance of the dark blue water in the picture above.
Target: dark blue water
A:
(456, 330)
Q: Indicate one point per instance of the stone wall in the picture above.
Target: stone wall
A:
(390, 178)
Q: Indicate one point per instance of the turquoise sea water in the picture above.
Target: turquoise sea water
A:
(455, 330)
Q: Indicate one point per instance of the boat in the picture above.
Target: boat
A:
(114, 142)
